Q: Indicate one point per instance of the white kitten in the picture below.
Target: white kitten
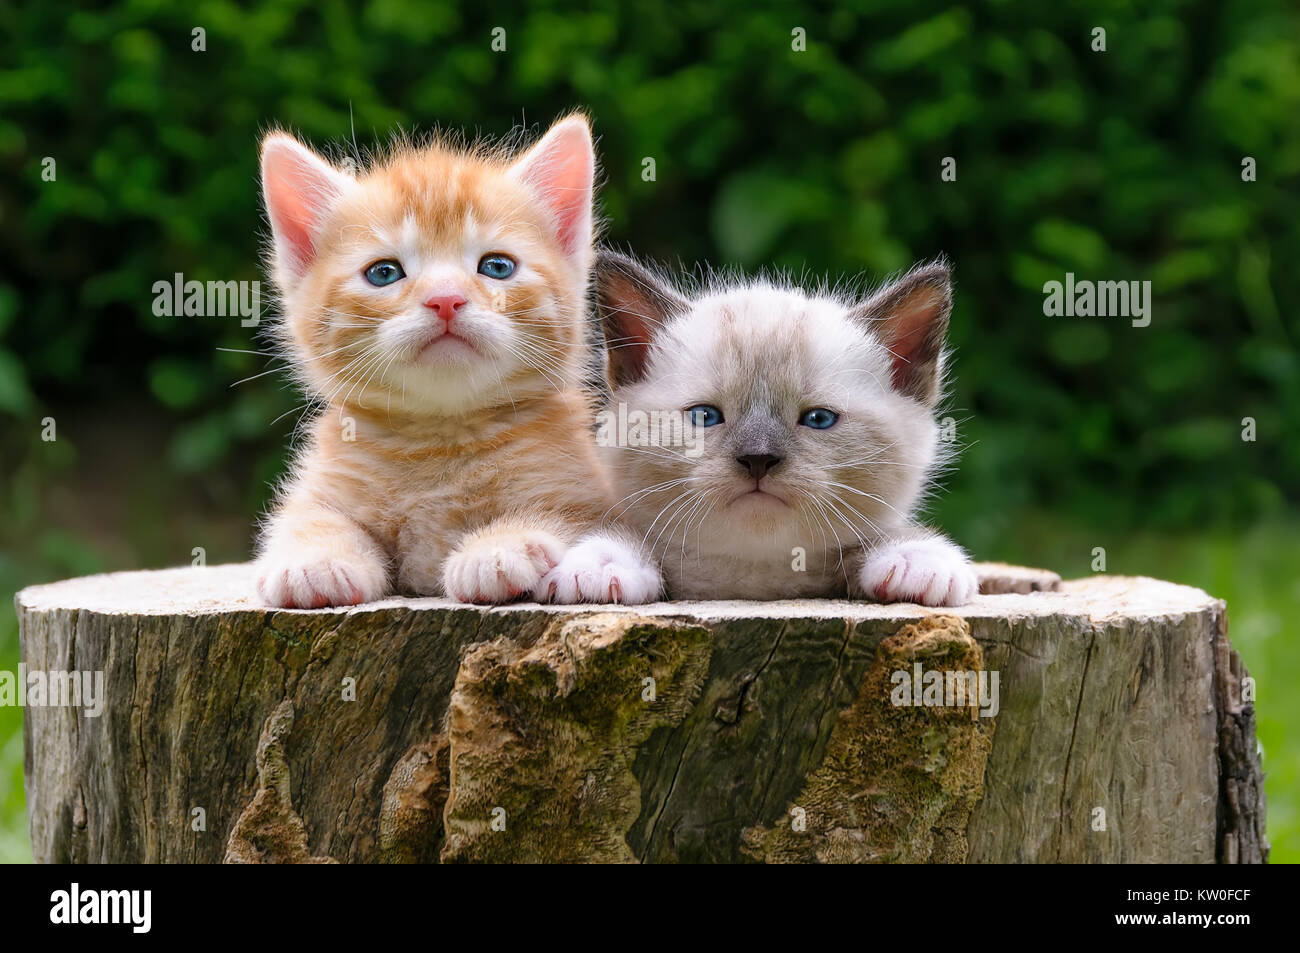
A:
(808, 440)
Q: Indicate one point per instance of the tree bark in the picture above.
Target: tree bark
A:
(419, 730)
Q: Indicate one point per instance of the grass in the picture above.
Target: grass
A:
(1257, 573)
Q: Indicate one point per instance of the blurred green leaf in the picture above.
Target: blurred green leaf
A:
(15, 398)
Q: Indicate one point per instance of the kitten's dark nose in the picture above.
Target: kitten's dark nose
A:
(758, 464)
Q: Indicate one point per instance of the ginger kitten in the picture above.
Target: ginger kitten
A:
(813, 435)
(434, 309)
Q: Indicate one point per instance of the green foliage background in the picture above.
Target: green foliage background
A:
(1079, 432)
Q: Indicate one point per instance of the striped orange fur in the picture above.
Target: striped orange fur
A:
(451, 452)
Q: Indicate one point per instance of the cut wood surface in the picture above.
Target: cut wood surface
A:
(421, 730)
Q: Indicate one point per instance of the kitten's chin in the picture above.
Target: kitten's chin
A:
(753, 518)
(761, 503)
(764, 499)
(452, 380)
(447, 350)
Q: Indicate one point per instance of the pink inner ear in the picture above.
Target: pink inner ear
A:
(628, 344)
(299, 187)
(908, 329)
(560, 169)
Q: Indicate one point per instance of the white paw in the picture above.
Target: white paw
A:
(600, 569)
(501, 567)
(305, 579)
(926, 571)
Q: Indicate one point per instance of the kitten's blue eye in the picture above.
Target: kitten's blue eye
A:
(705, 415)
(819, 418)
(496, 266)
(384, 273)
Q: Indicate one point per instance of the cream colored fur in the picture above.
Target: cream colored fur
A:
(835, 516)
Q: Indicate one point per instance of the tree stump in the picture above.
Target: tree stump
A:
(1111, 727)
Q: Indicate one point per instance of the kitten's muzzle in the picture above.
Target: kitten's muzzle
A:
(758, 465)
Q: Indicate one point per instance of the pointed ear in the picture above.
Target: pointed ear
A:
(910, 316)
(299, 187)
(633, 303)
(560, 169)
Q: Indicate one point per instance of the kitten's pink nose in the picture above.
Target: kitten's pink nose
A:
(444, 306)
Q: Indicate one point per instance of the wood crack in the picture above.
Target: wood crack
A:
(1069, 751)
